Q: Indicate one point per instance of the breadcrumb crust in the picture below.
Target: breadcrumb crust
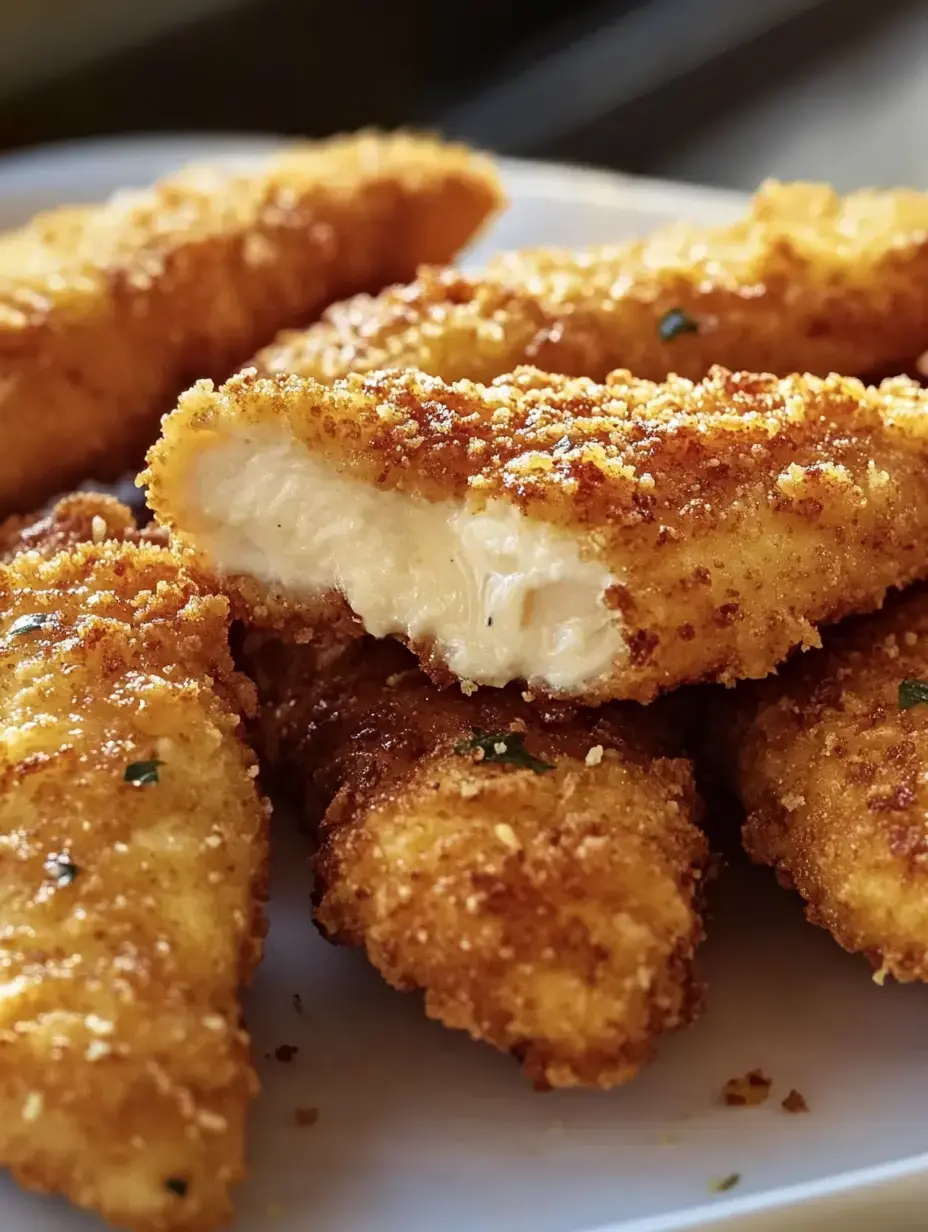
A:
(107, 311)
(831, 772)
(806, 281)
(81, 517)
(132, 905)
(737, 514)
(552, 915)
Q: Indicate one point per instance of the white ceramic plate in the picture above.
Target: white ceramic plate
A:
(420, 1130)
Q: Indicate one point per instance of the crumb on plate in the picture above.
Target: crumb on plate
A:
(795, 1102)
(746, 1092)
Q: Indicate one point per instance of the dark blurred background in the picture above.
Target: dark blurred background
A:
(717, 91)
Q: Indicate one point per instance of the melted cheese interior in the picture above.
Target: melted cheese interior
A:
(500, 597)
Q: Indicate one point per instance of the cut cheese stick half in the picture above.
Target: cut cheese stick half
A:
(596, 541)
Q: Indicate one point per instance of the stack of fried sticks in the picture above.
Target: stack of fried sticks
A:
(479, 531)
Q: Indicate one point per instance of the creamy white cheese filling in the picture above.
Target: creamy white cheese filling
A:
(501, 597)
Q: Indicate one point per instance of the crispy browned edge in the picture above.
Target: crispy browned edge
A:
(829, 768)
(54, 556)
(80, 517)
(528, 907)
(741, 512)
(804, 281)
(106, 312)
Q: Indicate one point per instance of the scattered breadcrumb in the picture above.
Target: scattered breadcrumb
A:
(724, 1183)
(305, 1117)
(468, 688)
(748, 1091)
(795, 1102)
(285, 1053)
(507, 836)
(595, 755)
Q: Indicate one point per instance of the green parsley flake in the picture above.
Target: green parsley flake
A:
(912, 693)
(507, 749)
(675, 323)
(142, 773)
(177, 1185)
(725, 1183)
(61, 868)
(29, 623)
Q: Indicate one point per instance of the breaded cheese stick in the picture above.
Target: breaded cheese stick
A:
(829, 761)
(596, 541)
(107, 311)
(132, 876)
(806, 281)
(534, 870)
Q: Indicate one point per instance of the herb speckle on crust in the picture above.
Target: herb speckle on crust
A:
(676, 322)
(29, 623)
(142, 773)
(506, 749)
(912, 693)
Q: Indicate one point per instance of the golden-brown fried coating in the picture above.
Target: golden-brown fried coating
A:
(548, 909)
(597, 541)
(807, 281)
(132, 870)
(106, 312)
(830, 765)
(81, 517)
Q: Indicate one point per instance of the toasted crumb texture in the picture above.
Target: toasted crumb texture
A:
(831, 772)
(747, 1091)
(806, 281)
(82, 517)
(735, 515)
(794, 1102)
(107, 311)
(131, 887)
(551, 913)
